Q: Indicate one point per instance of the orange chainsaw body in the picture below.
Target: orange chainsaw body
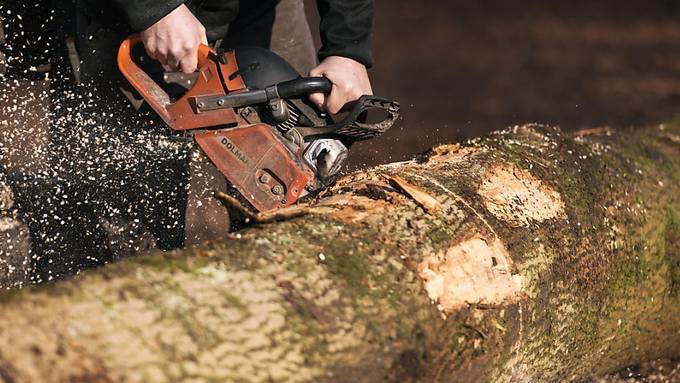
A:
(262, 165)
(254, 158)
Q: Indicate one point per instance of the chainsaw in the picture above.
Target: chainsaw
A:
(247, 109)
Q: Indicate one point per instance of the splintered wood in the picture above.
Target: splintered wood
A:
(265, 217)
(475, 271)
(426, 201)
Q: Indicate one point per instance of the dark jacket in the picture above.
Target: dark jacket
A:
(346, 25)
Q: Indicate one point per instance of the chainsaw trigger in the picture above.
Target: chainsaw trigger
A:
(278, 109)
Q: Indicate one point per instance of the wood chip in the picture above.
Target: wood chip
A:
(426, 201)
(6, 198)
(278, 215)
(599, 131)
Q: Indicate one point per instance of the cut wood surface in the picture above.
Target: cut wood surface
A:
(527, 256)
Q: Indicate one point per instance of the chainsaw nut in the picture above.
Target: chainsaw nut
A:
(265, 178)
(277, 190)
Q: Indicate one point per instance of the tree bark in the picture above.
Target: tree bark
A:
(529, 255)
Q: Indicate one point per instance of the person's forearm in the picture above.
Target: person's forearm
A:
(346, 29)
(141, 14)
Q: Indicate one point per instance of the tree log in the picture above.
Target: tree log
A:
(529, 255)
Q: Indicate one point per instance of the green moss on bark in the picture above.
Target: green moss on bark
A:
(672, 250)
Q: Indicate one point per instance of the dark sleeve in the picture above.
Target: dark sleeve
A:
(141, 14)
(346, 29)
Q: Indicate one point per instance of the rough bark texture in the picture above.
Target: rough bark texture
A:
(545, 257)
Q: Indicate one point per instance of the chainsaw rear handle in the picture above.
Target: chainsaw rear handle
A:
(153, 93)
(354, 126)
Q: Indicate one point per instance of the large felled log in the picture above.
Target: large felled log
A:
(525, 256)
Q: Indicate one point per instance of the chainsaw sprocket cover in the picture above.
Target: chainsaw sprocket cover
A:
(258, 164)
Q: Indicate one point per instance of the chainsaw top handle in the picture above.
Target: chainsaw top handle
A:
(296, 88)
(153, 93)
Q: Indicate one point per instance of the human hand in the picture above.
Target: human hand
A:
(350, 81)
(174, 40)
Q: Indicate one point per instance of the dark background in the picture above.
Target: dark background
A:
(462, 68)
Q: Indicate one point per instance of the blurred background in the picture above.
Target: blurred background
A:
(464, 68)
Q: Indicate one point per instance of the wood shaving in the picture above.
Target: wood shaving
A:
(422, 198)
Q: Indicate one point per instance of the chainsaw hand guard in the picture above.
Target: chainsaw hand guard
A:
(182, 114)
